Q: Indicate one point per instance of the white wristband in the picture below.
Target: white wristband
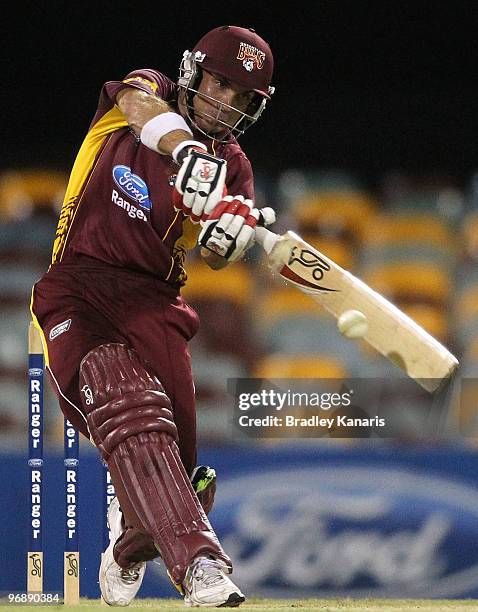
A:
(154, 129)
(186, 143)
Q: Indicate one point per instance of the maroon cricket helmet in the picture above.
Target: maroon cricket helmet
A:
(239, 55)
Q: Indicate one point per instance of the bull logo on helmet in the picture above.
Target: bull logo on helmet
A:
(251, 57)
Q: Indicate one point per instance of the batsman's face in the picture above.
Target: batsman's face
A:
(219, 104)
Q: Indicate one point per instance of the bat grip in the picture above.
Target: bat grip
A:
(266, 238)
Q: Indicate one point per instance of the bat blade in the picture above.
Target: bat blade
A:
(390, 331)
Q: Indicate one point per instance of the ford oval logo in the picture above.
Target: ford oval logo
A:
(132, 185)
(350, 531)
(35, 462)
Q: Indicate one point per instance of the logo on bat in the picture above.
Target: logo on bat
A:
(307, 259)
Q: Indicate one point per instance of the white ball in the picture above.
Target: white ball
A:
(353, 324)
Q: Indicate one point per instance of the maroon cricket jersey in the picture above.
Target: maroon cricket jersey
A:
(118, 204)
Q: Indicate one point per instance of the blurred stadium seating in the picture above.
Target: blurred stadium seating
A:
(24, 192)
(416, 242)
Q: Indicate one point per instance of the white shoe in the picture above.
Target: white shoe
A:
(118, 586)
(206, 585)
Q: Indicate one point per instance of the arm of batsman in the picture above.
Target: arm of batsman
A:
(230, 229)
(200, 184)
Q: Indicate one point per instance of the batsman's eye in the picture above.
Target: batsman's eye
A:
(244, 98)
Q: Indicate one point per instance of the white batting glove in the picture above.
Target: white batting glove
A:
(200, 182)
(230, 229)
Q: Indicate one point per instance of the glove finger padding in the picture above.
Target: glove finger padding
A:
(201, 183)
(244, 242)
(232, 218)
(230, 224)
(245, 237)
(214, 243)
(229, 231)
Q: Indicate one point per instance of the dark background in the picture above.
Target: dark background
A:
(363, 86)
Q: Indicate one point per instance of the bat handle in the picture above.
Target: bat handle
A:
(266, 238)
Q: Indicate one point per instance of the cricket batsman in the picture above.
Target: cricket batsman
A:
(159, 172)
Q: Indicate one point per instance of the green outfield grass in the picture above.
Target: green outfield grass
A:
(304, 605)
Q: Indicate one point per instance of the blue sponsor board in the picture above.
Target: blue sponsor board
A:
(369, 521)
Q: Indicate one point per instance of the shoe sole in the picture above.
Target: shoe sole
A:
(233, 601)
(104, 602)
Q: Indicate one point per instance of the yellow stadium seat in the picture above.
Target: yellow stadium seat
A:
(281, 302)
(234, 283)
(410, 228)
(334, 213)
(432, 318)
(470, 235)
(420, 281)
(464, 403)
(340, 250)
(467, 304)
(222, 299)
(472, 350)
(23, 190)
(282, 365)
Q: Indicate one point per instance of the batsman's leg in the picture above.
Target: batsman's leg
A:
(131, 423)
(132, 545)
(123, 564)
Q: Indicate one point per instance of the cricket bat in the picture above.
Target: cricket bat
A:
(390, 331)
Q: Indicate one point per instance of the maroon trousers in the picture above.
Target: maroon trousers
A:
(83, 306)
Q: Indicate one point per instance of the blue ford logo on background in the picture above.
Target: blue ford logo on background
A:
(35, 372)
(132, 185)
(350, 531)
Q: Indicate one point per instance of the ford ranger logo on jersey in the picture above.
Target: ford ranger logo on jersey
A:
(132, 185)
